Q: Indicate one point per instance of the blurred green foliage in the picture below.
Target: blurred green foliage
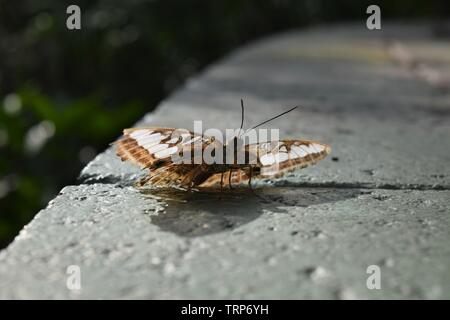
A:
(64, 95)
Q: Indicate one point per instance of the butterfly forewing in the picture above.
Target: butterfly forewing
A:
(274, 159)
(148, 147)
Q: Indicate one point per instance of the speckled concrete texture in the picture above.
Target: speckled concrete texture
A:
(381, 198)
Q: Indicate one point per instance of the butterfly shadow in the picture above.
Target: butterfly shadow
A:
(194, 214)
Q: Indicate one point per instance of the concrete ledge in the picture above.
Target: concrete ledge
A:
(381, 198)
(296, 243)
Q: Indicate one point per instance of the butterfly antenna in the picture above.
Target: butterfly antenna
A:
(242, 117)
(281, 114)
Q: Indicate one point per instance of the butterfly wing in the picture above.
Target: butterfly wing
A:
(154, 148)
(275, 159)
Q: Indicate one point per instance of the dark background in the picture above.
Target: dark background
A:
(64, 95)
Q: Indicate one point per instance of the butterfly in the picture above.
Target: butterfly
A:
(160, 150)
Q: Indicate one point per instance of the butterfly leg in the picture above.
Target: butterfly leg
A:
(221, 182)
(250, 179)
(189, 189)
(229, 178)
(250, 182)
(192, 175)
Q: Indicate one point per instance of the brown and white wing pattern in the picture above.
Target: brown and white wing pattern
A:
(167, 176)
(238, 176)
(178, 175)
(274, 160)
(154, 147)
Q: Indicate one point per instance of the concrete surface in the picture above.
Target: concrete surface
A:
(382, 197)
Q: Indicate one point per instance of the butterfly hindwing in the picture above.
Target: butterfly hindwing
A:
(274, 159)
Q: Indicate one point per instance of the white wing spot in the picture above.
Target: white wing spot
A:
(294, 153)
(281, 156)
(166, 152)
(142, 140)
(267, 159)
(139, 133)
(312, 149)
(193, 140)
(184, 136)
(158, 147)
(299, 152)
(150, 144)
(318, 147)
(305, 150)
(173, 140)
